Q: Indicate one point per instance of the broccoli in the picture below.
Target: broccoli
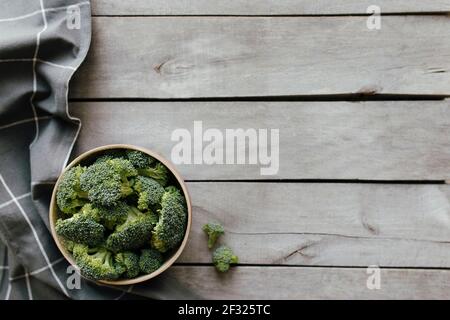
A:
(150, 260)
(97, 263)
(110, 217)
(68, 244)
(134, 233)
(139, 159)
(90, 211)
(223, 257)
(104, 158)
(160, 173)
(169, 230)
(69, 196)
(118, 216)
(150, 192)
(214, 231)
(111, 154)
(108, 181)
(81, 228)
(130, 262)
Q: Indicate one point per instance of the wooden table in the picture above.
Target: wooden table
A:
(364, 135)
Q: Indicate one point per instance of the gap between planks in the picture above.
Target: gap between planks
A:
(338, 181)
(252, 265)
(400, 14)
(355, 97)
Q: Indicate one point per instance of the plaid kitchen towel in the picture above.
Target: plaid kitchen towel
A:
(42, 43)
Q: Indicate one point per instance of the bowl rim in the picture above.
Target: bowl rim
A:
(53, 212)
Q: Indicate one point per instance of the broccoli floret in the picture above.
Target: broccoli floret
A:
(108, 181)
(170, 229)
(160, 173)
(149, 191)
(150, 260)
(111, 154)
(81, 228)
(214, 231)
(110, 217)
(139, 159)
(134, 233)
(68, 244)
(223, 257)
(130, 262)
(90, 211)
(104, 158)
(96, 263)
(69, 196)
(114, 216)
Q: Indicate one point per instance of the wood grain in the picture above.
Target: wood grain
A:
(385, 140)
(261, 7)
(311, 283)
(187, 57)
(324, 224)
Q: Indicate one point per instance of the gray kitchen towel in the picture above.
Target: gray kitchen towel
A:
(42, 43)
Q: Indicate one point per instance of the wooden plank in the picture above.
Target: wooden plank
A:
(191, 57)
(311, 283)
(385, 140)
(324, 224)
(261, 7)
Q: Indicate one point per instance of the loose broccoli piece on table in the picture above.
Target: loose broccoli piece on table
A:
(96, 263)
(214, 231)
(130, 262)
(81, 228)
(170, 229)
(108, 181)
(149, 191)
(160, 173)
(150, 260)
(139, 159)
(223, 257)
(69, 196)
(134, 233)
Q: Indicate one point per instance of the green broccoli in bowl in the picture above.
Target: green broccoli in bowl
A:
(121, 214)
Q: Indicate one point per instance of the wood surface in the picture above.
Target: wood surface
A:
(210, 57)
(323, 224)
(262, 7)
(310, 231)
(261, 283)
(379, 140)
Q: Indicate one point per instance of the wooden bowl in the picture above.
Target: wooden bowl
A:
(53, 212)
